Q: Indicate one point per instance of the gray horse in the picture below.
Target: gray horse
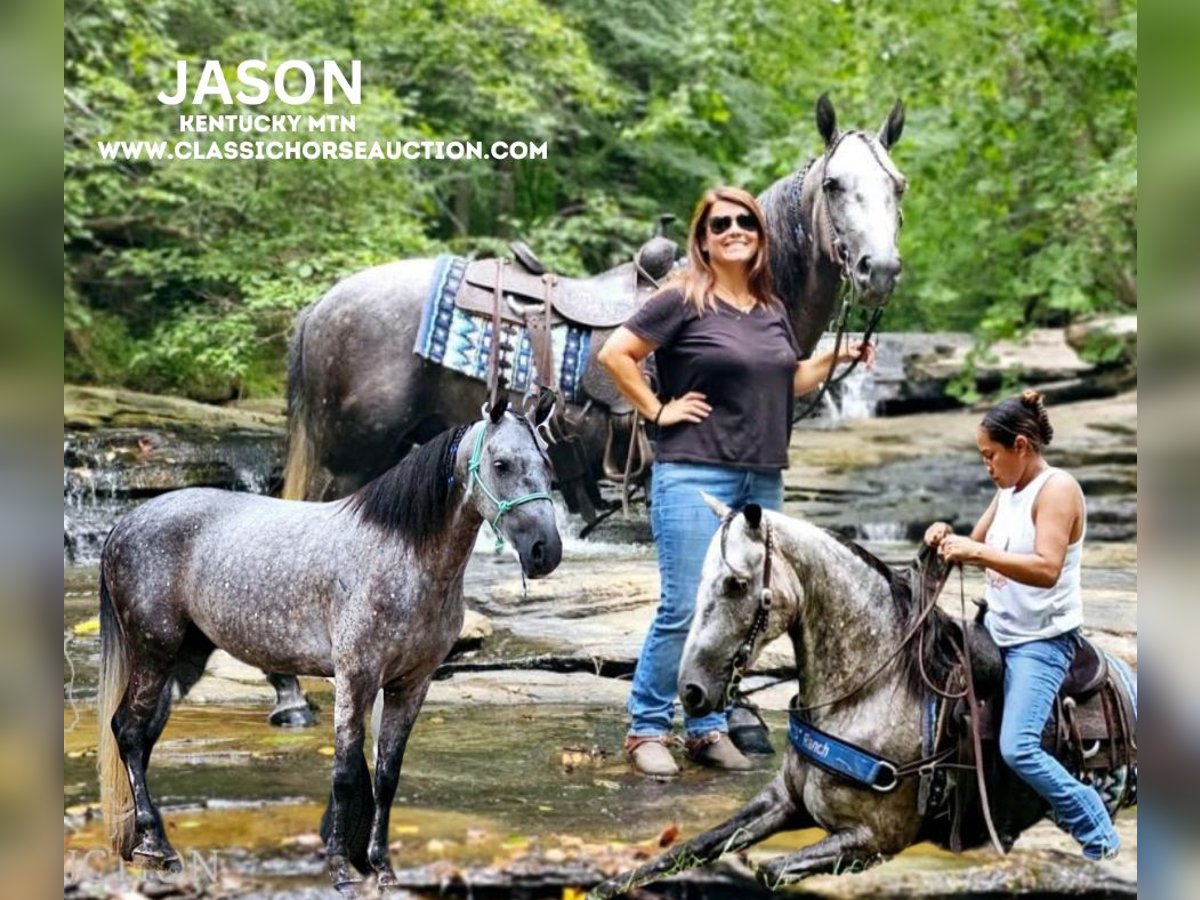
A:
(863, 681)
(359, 398)
(367, 590)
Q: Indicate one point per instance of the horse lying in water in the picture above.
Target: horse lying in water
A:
(867, 653)
(367, 590)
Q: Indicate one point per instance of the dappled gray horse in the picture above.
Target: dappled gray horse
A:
(366, 590)
(871, 659)
(359, 397)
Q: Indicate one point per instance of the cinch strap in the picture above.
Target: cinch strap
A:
(502, 506)
(840, 757)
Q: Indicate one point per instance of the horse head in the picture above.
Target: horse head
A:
(854, 193)
(743, 603)
(508, 484)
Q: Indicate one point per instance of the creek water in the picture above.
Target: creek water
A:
(515, 786)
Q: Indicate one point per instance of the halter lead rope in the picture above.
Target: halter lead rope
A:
(502, 506)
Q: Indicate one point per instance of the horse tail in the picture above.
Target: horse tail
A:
(116, 795)
(301, 454)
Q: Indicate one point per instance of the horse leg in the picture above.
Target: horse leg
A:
(770, 811)
(843, 851)
(400, 708)
(292, 709)
(350, 806)
(136, 725)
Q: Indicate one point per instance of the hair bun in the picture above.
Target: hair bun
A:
(1033, 401)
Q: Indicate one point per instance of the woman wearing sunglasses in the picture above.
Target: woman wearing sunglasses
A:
(728, 369)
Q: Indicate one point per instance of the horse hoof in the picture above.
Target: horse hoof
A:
(752, 740)
(292, 717)
(157, 860)
(385, 878)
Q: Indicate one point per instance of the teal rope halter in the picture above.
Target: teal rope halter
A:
(502, 506)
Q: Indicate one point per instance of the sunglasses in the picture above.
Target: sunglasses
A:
(721, 224)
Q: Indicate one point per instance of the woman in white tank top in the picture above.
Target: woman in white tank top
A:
(1029, 542)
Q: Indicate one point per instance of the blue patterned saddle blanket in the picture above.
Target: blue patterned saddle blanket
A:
(463, 341)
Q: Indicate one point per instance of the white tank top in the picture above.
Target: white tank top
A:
(1018, 613)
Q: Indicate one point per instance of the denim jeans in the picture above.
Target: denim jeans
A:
(683, 525)
(1033, 673)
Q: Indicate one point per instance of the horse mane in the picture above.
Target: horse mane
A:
(411, 500)
(787, 235)
(935, 651)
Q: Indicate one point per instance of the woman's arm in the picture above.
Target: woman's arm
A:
(622, 355)
(1059, 504)
(812, 371)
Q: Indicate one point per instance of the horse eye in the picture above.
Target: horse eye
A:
(832, 185)
(500, 465)
(735, 587)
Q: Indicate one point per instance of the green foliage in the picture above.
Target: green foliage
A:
(1020, 149)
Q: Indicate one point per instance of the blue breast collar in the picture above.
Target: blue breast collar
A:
(840, 757)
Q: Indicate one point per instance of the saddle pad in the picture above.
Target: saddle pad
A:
(462, 341)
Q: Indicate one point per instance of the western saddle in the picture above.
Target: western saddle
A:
(524, 293)
(1091, 730)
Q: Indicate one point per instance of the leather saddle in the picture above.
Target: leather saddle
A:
(1093, 720)
(526, 294)
(1087, 674)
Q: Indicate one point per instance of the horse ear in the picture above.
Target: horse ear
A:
(890, 132)
(497, 410)
(753, 514)
(826, 119)
(720, 510)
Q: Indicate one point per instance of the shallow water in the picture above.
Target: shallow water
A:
(540, 788)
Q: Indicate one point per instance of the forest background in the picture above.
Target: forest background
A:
(1020, 150)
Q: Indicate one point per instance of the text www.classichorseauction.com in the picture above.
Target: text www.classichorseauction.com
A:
(294, 84)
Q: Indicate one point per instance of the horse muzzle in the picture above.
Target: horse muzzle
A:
(695, 698)
(540, 555)
(875, 278)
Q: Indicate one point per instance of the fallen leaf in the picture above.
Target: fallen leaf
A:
(326, 751)
(88, 626)
(436, 846)
(668, 835)
(405, 829)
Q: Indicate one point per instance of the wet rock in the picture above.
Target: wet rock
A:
(1110, 340)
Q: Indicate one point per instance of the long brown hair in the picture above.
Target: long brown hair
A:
(698, 281)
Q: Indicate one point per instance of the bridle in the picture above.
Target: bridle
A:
(828, 237)
(741, 658)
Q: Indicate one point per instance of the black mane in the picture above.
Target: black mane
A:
(935, 649)
(788, 237)
(411, 500)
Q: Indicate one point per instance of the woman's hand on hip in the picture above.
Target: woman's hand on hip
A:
(956, 548)
(936, 532)
(691, 407)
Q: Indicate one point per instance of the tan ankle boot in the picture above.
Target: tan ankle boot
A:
(651, 756)
(717, 751)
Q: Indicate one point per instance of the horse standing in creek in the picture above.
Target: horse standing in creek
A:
(367, 590)
(358, 397)
(868, 738)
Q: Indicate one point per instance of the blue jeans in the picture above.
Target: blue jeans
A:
(683, 526)
(1033, 673)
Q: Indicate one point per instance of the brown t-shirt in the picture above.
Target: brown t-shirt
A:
(743, 363)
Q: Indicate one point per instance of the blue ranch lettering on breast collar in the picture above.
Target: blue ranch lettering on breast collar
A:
(840, 757)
